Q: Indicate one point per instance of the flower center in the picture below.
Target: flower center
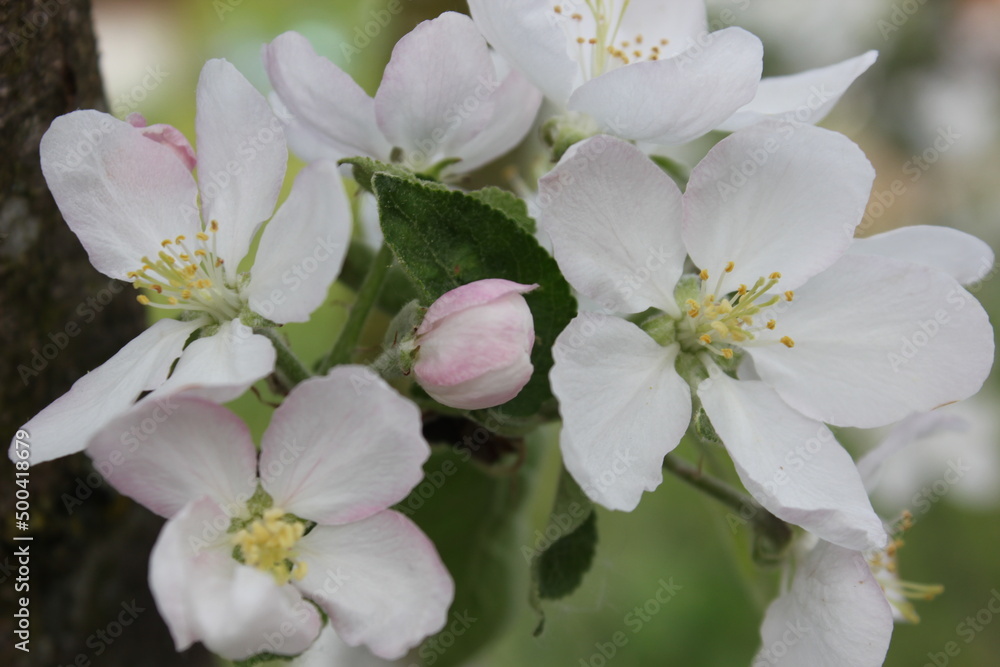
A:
(899, 593)
(268, 545)
(595, 33)
(717, 323)
(186, 279)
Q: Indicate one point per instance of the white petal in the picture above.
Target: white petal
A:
(330, 649)
(65, 426)
(342, 447)
(302, 248)
(529, 36)
(168, 451)
(964, 257)
(323, 97)
(614, 220)
(793, 466)
(835, 615)
(806, 97)
(905, 433)
(241, 157)
(436, 72)
(380, 580)
(120, 192)
(680, 22)
(623, 406)
(679, 99)
(205, 595)
(775, 197)
(877, 338)
(222, 366)
(514, 105)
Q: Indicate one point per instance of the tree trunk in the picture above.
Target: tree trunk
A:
(89, 598)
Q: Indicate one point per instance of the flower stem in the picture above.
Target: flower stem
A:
(772, 535)
(288, 368)
(367, 296)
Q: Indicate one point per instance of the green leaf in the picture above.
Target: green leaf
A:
(509, 203)
(445, 238)
(564, 551)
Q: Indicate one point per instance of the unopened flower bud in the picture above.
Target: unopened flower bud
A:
(475, 345)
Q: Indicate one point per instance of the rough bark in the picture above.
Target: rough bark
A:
(60, 318)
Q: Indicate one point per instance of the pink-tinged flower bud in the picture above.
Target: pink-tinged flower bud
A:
(475, 345)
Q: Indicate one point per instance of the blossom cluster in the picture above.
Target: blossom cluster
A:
(730, 304)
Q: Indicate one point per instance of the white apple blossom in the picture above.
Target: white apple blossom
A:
(444, 95)
(128, 192)
(650, 70)
(818, 333)
(949, 455)
(244, 560)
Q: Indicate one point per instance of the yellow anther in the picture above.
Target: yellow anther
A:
(202, 236)
(157, 288)
(219, 262)
(725, 307)
(787, 341)
(638, 39)
(721, 328)
(592, 40)
(200, 253)
(654, 57)
(172, 300)
(664, 42)
(775, 276)
(789, 295)
(214, 225)
(771, 324)
(181, 238)
(580, 40)
(558, 9)
(706, 339)
(186, 294)
(626, 44)
(655, 49)
(132, 274)
(637, 54)
(704, 274)
(143, 299)
(742, 290)
(730, 266)
(576, 17)
(185, 257)
(727, 352)
(166, 242)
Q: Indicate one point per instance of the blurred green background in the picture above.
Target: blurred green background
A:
(939, 68)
